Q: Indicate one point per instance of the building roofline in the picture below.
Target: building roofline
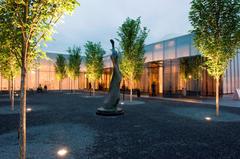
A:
(161, 41)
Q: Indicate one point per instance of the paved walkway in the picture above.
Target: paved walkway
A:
(226, 101)
(156, 129)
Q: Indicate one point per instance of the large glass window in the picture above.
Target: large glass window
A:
(171, 78)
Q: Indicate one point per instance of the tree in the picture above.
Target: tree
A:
(74, 61)
(94, 61)
(60, 68)
(216, 25)
(34, 21)
(9, 51)
(9, 70)
(131, 39)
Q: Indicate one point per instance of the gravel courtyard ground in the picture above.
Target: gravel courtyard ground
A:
(152, 129)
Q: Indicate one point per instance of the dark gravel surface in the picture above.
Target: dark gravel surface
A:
(149, 130)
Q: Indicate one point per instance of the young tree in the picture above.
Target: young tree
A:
(74, 62)
(60, 68)
(131, 39)
(94, 62)
(216, 26)
(34, 21)
(9, 70)
(9, 50)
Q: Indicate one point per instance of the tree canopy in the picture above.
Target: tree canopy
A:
(191, 66)
(60, 67)
(131, 38)
(216, 26)
(74, 62)
(94, 60)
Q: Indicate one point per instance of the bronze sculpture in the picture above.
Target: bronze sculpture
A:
(110, 106)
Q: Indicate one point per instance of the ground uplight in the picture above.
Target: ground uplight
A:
(29, 109)
(208, 118)
(62, 152)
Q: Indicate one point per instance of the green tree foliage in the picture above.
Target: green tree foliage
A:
(33, 20)
(94, 61)
(216, 26)
(131, 38)
(60, 68)
(9, 50)
(191, 67)
(9, 69)
(74, 62)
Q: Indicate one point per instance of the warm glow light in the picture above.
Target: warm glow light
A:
(208, 118)
(189, 76)
(62, 152)
(29, 109)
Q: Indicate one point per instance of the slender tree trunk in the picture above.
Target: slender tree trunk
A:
(185, 88)
(74, 84)
(78, 82)
(23, 120)
(131, 91)
(70, 85)
(217, 96)
(23, 112)
(9, 88)
(23, 103)
(124, 89)
(93, 88)
(59, 85)
(12, 94)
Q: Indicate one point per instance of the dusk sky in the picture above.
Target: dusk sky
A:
(98, 21)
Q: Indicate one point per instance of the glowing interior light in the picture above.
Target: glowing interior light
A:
(208, 118)
(62, 152)
(29, 109)
(122, 103)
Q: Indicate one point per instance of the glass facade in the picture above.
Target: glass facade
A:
(162, 67)
(231, 78)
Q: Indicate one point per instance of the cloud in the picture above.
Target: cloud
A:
(98, 21)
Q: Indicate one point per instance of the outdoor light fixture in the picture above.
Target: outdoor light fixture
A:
(208, 118)
(122, 103)
(62, 152)
(29, 109)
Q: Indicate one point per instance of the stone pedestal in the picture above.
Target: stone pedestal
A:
(109, 112)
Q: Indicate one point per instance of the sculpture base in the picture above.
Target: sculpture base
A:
(109, 112)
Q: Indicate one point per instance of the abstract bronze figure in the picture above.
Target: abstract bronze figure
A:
(110, 106)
